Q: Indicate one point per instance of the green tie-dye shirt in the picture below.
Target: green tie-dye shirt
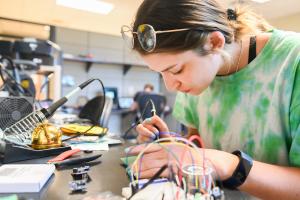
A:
(257, 109)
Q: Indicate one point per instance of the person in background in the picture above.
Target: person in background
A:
(148, 88)
(238, 87)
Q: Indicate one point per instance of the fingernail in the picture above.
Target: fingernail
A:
(153, 136)
(148, 120)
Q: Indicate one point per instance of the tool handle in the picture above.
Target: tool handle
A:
(79, 160)
(64, 155)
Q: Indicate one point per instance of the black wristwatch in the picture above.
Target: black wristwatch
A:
(241, 172)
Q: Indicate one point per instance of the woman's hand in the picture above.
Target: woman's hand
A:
(179, 155)
(151, 129)
(162, 154)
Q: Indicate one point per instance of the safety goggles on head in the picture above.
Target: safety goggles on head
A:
(146, 35)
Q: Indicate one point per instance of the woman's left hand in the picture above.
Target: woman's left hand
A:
(157, 156)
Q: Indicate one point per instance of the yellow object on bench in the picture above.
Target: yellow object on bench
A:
(46, 136)
(73, 129)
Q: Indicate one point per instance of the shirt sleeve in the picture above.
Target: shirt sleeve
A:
(294, 154)
(185, 110)
(136, 96)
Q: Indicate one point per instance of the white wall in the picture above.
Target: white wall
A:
(106, 48)
(290, 23)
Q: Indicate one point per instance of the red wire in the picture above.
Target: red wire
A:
(198, 139)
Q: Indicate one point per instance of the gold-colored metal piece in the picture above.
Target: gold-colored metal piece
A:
(46, 136)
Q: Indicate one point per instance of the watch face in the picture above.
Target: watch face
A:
(247, 162)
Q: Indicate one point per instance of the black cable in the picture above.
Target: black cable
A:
(102, 108)
(42, 87)
(7, 83)
(14, 69)
(48, 112)
(13, 80)
(12, 91)
(154, 177)
(104, 96)
(79, 134)
(140, 119)
(6, 86)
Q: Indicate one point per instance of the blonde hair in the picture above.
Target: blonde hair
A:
(202, 16)
(248, 23)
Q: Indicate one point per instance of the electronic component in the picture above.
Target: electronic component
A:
(78, 185)
(217, 193)
(80, 179)
(81, 169)
(81, 173)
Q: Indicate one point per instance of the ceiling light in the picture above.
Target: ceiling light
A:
(94, 6)
(261, 1)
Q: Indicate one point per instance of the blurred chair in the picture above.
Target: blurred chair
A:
(159, 101)
(92, 111)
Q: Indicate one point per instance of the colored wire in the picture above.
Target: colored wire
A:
(204, 160)
(140, 160)
(198, 138)
(140, 119)
(172, 139)
(138, 168)
(175, 140)
(169, 150)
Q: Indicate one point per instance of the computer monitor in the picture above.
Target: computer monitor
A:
(112, 92)
(125, 102)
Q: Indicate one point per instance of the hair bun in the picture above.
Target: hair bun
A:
(231, 14)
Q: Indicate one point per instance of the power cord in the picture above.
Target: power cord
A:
(140, 119)
(10, 80)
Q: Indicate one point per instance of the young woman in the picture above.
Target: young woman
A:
(238, 87)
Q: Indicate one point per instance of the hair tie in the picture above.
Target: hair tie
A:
(231, 14)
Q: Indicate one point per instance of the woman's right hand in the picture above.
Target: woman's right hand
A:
(151, 129)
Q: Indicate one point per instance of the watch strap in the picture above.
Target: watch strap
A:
(241, 172)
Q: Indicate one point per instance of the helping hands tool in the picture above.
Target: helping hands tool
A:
(20, 133)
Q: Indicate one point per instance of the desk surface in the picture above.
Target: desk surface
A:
(108, 175)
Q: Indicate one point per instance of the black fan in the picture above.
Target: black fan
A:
(12, 109)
